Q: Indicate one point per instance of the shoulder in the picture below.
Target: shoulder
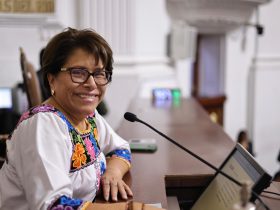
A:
(39, 114)
(35, 110)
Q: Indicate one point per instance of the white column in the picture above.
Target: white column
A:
(113, 19)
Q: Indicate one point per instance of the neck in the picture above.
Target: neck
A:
(78, 122)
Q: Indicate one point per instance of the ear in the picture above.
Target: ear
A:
(51, 79)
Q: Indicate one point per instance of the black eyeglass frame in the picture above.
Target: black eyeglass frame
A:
(108, 74)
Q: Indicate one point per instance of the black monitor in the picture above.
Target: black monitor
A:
(221, 193)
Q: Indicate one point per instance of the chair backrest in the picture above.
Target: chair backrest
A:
(30, 81)
(3, 139)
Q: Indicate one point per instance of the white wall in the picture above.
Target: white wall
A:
(151, 28)
(254, 106)
(11, 39)
(31, 33)
(237, 64)
(267, 115)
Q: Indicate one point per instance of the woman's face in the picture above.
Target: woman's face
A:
(78, 100)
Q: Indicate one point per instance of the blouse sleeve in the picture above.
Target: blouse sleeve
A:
(43, 150)
(110, 142)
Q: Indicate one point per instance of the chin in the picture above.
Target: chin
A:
(88, 111)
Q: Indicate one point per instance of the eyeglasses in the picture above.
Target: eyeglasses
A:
(81, 75)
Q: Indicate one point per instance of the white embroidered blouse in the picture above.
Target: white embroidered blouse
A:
(52, 165)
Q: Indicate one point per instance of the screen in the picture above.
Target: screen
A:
(222, 193)
(166, 97)
(5, 98)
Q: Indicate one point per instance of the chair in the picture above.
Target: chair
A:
(8, 122)
(30, 81)
(3, 139)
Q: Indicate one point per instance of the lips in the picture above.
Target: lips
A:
(88, 97)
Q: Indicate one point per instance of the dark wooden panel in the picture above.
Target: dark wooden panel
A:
(214, 106)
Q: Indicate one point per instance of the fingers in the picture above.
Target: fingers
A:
(125, 191)
(106, 189)
(113, 188)
(128, 191)
(122, 191)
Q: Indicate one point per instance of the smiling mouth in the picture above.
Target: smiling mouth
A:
(86, 96)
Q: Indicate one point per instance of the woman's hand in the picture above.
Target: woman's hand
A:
(112, 183)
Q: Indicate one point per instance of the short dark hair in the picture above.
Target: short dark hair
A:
(242, 136)
(62, 45)
(41, 56)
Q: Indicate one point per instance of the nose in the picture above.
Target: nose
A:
(91, 82)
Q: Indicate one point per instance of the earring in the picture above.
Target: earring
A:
(52, 92)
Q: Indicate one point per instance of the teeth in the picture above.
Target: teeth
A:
(87, 96)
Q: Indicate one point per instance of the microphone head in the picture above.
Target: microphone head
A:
(130, 117)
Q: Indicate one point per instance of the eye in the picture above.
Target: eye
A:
(79, 72)
(100, 73)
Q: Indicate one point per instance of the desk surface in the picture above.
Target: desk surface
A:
(271, 200)
(188, 124)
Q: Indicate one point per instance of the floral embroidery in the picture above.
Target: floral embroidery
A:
(88, 141)
(44, 108)
(86, 151)
(98, 174)
(84, 154)
(79, 157)
(95, 133)
(66, 203)
(94, 143)
(24, 116)
(122, 153)
(90, 148)
(102, 167)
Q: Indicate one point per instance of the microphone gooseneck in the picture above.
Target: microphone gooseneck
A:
(132, 118)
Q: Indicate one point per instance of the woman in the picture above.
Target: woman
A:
(56, 154)
(243, 139)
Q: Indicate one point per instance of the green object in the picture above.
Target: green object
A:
(143, 145)
(176, 94)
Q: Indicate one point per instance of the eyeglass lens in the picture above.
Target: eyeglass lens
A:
(82, 75)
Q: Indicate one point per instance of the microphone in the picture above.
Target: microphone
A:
(132, 118)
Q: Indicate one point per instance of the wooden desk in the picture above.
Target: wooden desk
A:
(169, 170)
(188, 124)
(272, 201)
